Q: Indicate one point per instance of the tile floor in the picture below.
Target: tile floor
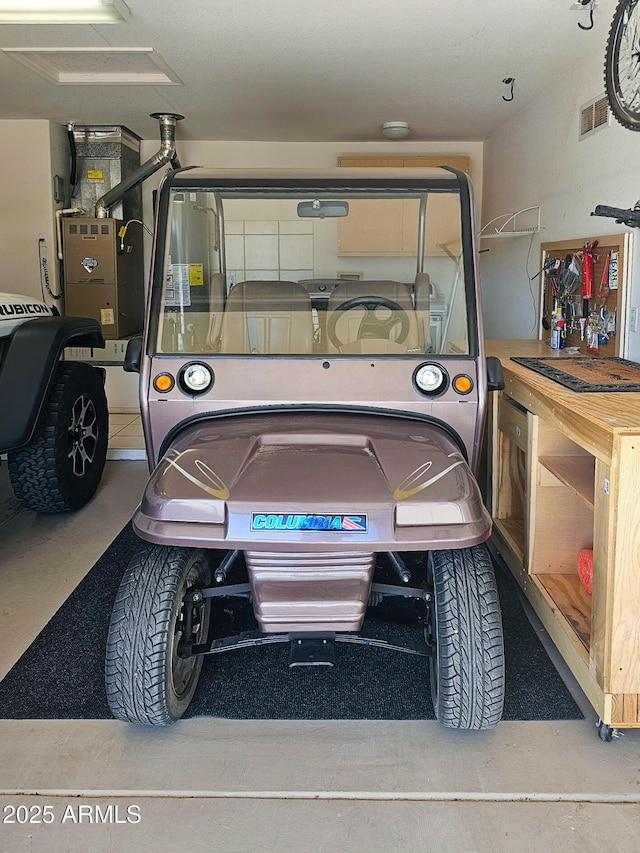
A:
(280, 786)
(126, 439)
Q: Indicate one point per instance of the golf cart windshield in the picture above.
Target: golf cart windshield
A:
(259, 271)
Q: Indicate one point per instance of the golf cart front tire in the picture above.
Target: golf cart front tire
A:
(146, 681)
(467, 671)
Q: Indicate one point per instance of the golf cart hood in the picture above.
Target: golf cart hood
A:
(313, 480)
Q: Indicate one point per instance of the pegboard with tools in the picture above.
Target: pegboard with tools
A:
(583, 285)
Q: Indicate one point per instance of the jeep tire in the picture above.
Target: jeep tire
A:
(467, 670)
(61, 467)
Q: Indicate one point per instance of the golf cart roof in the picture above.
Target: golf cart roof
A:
(440, 178)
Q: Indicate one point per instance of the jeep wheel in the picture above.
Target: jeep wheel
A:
(147, 681)
(467, 671)
(61, 468)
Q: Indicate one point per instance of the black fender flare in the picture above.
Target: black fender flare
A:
(28, 363)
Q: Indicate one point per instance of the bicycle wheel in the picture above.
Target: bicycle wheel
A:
(622, 64)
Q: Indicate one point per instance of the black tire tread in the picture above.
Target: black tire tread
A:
(139, 637)
(621, 113)
(39, 473)
(470, 648)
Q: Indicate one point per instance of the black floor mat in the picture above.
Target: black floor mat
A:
(587, 374)
(60, 676)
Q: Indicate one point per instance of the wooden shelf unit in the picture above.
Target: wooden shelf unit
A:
(575, 472)
(565, 475)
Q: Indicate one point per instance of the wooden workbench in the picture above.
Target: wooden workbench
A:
(565, 476)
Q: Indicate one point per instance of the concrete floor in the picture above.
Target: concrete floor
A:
(245, 787)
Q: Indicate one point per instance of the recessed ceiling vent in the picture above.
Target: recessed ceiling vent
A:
(594, 116)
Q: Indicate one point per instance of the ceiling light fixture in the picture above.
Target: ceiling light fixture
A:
(63, 12)
(396, 129)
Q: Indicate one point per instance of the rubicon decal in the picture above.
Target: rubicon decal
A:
(297, 521)
(17, 309)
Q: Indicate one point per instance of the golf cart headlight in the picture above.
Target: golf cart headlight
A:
(430, 379)
(196, 378)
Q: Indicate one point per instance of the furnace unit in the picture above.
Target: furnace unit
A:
(104, 274)
(103, 264)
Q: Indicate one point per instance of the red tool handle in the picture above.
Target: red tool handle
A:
(588, 257)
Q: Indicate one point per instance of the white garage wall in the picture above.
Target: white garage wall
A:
(308, 154)
(33, 151)
(536, 158)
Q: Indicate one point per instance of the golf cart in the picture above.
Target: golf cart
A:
(302, 424)
(54, 424)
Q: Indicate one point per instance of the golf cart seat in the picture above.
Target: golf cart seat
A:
(267, 317)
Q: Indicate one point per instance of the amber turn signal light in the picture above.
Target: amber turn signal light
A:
(462, 384)
(163, 382)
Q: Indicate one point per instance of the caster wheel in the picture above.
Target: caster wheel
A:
(607, 733)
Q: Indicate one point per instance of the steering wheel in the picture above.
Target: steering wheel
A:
(371, 325)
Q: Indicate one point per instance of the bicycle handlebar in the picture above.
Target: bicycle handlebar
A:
(630, 216)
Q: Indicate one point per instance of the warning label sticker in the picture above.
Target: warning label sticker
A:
(176, 291)
(196, 275)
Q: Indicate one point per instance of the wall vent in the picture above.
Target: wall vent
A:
(594, 116)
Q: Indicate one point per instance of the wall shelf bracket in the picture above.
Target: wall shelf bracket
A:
(522, 222)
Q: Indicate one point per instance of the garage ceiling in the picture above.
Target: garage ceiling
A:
(297, 70)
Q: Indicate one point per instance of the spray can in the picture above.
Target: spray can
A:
(556, 328)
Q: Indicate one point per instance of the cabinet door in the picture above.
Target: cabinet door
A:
(376, 162)
(443, 225)
(511, 474)
(375, 228)
(419, 161)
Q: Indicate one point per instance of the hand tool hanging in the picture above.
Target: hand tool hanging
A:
(588, 257)
(604, 290)
(549, 273)
(568, 280)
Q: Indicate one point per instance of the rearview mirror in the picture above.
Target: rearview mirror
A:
(321, 209)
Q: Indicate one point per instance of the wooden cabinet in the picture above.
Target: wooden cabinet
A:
(566, 477)
(390, 228)
(419, 161)
(510, 477)
(373, 227)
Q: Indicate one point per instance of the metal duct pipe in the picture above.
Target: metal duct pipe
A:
(166, 154)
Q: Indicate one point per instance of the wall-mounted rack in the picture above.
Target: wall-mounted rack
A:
(511, 227)
(613, 299)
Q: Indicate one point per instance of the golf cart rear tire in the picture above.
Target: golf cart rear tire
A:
(61, 468)
(467, 672)
(146, 682)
